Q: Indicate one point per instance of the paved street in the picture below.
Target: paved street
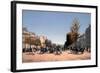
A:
(26, 57)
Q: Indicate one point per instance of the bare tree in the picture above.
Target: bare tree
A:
(72, 36)
(75, 25)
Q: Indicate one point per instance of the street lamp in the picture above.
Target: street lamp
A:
(30, 39)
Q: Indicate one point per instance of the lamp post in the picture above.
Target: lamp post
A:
(30, 39)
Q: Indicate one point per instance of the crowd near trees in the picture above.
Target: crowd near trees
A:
(78, 42)
(38, 44)
(74, 42)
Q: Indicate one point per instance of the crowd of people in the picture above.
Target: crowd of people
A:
(57, 50)
(42, 50)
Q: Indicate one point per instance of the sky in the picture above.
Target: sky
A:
(54, 25)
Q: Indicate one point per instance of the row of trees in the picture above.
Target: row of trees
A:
(31, 41)
(36, 41)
